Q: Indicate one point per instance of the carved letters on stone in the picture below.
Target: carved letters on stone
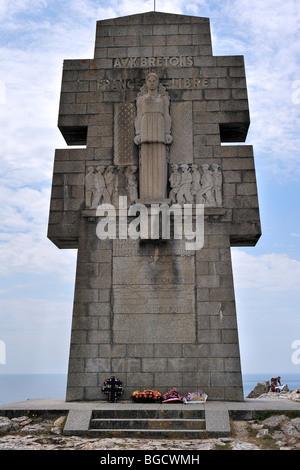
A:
(132, 62)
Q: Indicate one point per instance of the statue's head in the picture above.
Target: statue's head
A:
(152, 81)
(215, 166)
(100, 169)
(184, 167)
(110, 169)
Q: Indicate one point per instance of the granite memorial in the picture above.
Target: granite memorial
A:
(148, 116)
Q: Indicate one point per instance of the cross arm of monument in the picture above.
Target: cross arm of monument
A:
(83, 121)
(231, 111)
(67, 197)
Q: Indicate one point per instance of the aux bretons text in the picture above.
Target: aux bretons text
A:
(132, 62)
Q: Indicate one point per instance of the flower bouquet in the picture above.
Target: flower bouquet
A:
(172, 396)
(195, 397)
(146, 396)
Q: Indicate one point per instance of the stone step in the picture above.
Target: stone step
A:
(156, 422)
(148, 424)
(183, 422)
(149, 433)
(148, 413)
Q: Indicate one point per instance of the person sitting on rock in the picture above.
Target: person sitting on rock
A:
(274, 384)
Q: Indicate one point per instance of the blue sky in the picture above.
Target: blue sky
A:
(37, 279)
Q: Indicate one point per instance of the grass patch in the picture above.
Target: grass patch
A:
(264, 414)
(268, 443)
(225, 446)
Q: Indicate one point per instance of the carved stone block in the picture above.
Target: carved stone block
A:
(150, 271)
(160, 328)
(170, 299)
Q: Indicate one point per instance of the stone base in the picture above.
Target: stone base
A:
(155, 316)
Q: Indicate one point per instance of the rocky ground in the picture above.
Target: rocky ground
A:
(290, 395)
(276, 432)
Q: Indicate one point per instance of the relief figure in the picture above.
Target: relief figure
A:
(191, 184)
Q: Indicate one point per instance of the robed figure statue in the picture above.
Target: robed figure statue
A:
(153, 134)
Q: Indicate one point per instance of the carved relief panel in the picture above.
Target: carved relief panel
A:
(193, 184)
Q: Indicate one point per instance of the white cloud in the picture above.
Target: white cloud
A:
(34, 314)
(10, 8)
(31, 76)
(267, 33)
(93, 11)
(270, 272)
(29, 253)
(24, 246)
(267, 299)
(268, 18)
(90, 9)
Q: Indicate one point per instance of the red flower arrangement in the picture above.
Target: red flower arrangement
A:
(146, 396)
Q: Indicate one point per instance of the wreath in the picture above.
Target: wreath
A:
(146, 396)
(172, 396)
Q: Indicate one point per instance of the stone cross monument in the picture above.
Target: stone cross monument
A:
(149, 113)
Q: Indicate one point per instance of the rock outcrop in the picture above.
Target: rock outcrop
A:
(259, 389)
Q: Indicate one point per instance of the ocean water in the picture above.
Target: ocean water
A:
(21, 387)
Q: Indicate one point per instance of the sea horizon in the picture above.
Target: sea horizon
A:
(22, 387)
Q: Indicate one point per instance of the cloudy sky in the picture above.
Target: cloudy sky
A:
(37, 279)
